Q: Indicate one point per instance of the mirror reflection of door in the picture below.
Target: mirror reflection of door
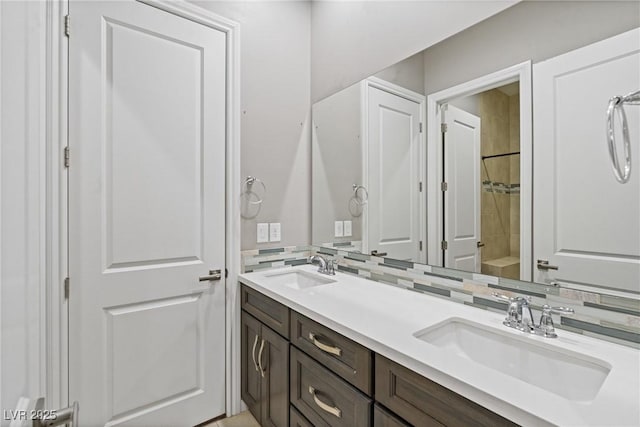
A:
(482, 174)
(393, 175)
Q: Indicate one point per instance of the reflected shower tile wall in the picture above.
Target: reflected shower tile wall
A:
(607, 317)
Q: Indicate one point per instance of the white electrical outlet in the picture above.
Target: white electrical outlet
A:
(338, 228)
(347, 228)
(274, 232)
(263, 232)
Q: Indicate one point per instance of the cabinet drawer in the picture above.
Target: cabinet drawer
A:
(323, 397)
(268, 311)
(384, 418)
(422, 402)
(296, 419)
(344, 357)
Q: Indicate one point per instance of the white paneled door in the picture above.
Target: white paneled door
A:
(146, 216)
(587, 225)
(394, 174)
(462, 197)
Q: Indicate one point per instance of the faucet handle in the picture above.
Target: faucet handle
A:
(508, 299)
(547, 328)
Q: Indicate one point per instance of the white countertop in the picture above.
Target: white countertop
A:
(384, 319)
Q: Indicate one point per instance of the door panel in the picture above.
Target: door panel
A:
(251, 383)
(462, 198)
(394, 175)
(275, 384)
(586, 223)
(146, 216)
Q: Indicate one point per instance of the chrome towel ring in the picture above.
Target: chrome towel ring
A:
(247, 189)
(616, 106)
(363, 198)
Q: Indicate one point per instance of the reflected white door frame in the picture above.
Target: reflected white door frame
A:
(522, 73)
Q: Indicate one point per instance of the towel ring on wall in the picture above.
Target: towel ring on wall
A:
(616, 105)
(247, 189)
(363, 191)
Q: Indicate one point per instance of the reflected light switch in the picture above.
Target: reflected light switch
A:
(347, 229)
(274, 232)
(338, 229)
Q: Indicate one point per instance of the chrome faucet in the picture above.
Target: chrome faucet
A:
(325, 266)
(520, 317)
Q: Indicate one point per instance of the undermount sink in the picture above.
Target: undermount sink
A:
(297, 279)
(567, 374)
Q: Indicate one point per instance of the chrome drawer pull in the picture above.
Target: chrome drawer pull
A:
(327, 408)
(326, 348)
(262, 370)
(253, 353)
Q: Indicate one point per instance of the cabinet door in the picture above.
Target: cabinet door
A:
(250, 373)
(275, 383)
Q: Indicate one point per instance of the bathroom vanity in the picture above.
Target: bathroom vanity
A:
(341, 350)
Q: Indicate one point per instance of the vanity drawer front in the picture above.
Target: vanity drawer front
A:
(296, 419)
(346, 358)
(323, 397)
(268, 311)
(384, 418)
(422, 402)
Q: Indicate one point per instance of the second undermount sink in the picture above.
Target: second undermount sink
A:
(571, 375)
(297, 279)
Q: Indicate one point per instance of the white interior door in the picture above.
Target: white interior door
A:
(585, 222)
(462, 197)
(146, 216)
(394, 175)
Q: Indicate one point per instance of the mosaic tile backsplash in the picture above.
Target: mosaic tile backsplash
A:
(612, 318)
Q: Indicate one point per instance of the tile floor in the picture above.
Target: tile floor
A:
(245, 419)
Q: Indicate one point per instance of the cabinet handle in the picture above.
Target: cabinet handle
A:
(327, 408)
(253, 352)
(324, 347)
(262, 371)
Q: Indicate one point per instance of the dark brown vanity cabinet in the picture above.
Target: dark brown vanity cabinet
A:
(297, 372)
(264, 372)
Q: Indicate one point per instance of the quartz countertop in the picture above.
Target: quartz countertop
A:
(385, 318)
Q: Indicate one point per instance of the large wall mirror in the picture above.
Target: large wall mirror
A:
(492, 159)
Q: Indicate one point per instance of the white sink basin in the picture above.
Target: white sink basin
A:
(567, 374)
(297, 279)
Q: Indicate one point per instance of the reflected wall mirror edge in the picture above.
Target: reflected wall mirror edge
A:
(408, 209)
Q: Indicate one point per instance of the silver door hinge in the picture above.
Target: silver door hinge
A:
(444, 186)
(420, 186)
(420, 245)
(420, 127)
(443, 127)
(66, 288)
(444, 245)
(66, 157)
(67, 25)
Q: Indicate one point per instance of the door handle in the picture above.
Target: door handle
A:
(213, 275)
(262, 370)
(480, 244)
(253, 353)
(376, 253)
(543, 264)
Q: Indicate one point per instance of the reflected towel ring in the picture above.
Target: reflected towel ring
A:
(616, 104)
(247, 189)
(359, 200)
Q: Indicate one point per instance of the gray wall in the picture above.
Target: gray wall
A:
(535, 30)
(353, 40)
(408, 73)
(275, 82)
(337, 164)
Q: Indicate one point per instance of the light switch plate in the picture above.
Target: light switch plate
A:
(263, 232)
(338, 228)
(274, 232)
(347, 228)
